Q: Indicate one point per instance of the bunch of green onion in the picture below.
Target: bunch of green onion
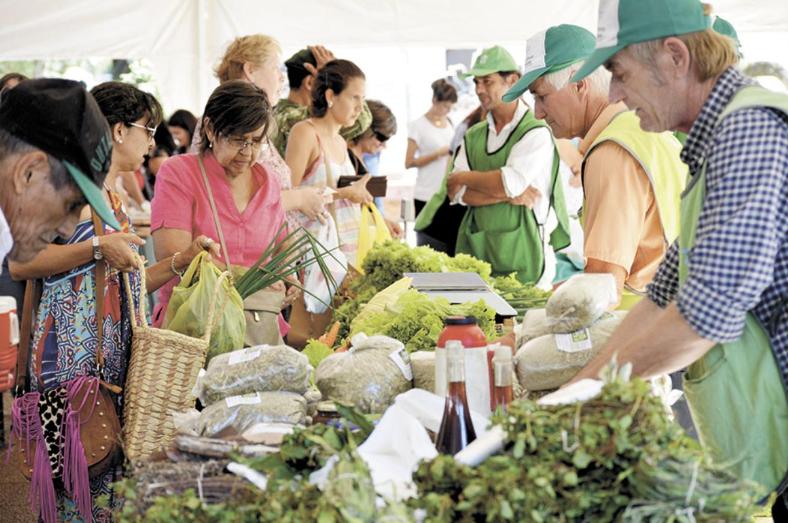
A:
(281, 259)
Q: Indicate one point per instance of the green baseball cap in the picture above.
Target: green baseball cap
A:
(625, 22)
(725, 28)
(494, 59)
(550, 51)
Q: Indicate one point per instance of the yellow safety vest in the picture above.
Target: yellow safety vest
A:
(658, 155)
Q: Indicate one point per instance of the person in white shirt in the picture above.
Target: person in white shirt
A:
(506, 172)
(55, 150)
(429, 140)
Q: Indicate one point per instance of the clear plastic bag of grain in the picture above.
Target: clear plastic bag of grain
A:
(549, 361)
(369, 376)
(232, 416)
(264, 368)
(580, 301)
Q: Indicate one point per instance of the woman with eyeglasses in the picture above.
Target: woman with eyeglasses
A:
(247, 198)
(64, 335)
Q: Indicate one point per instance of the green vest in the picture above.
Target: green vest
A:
(658, 156)
(735, 393)
(507, 236)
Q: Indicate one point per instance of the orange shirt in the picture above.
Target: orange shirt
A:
(621, 222)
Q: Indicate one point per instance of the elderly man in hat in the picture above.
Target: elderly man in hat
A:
(632, 180)
(55, 150)
(506, 173)
(717, 304)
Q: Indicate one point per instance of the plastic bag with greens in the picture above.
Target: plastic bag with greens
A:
(263, 368)
(549, 361)
(233, 415)
(187, 311)
(579, 302)
(368, 376)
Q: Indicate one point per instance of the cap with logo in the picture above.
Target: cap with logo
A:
(626, 22)
(551, 51)
(494, 59)
(61, 118)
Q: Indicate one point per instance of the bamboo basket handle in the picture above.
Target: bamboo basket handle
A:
(142, 321)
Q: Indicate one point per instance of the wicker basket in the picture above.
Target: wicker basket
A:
(161, 375)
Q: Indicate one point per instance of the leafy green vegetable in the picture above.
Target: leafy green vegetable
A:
(417, 320)
(520, 296)
(615, 457)
(316, 351)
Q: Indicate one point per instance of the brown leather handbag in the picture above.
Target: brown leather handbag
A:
(70, 432)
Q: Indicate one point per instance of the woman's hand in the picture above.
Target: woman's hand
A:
(311, 203)
(394, 228)
(199, 244)
(292, 293)
(116, 251)
(357, 192)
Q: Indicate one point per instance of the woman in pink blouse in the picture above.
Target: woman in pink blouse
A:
(247, 195)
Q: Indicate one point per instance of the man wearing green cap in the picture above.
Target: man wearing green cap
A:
(632, 179)
(55, 151)
(302, 68)
(506, 172)
(718, 301)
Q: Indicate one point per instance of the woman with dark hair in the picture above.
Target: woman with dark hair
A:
(64, 337)
(181, 126)
(247, 197)
(429, 140)
(317, 154)
(369, 143)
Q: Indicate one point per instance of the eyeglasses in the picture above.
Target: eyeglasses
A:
(382, 138)
(151, 130)
(240, 144)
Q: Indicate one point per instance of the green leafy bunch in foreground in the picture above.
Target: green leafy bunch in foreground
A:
(616, 457)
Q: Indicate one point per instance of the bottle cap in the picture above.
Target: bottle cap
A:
(460, 320)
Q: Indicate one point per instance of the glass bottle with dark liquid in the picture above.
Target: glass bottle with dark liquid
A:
(456, 430)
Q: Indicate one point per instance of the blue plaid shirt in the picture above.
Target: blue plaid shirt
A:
(740, 259)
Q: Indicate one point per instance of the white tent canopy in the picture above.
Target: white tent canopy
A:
(184, 38)
(400, 44)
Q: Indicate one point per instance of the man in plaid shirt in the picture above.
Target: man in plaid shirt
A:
(718, 302)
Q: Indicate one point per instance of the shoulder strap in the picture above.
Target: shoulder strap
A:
(101, 287)
(216, 222)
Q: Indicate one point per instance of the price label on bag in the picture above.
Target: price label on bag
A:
(577, 341)
(242, 356)
(248, 399)
(401, 359)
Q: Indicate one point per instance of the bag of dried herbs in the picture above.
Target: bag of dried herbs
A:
(263, 368)
(549, 361)
(615, 457)
(368, 376)
(580, 301)
(232, 416)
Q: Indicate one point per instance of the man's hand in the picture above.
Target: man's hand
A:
(454, 182)
(322, 57)
(116, 250)
(529, 197)
(394, 228)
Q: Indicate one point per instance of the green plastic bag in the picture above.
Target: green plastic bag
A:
(187, 311)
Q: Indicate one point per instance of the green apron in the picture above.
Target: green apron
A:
(735, 392)
(509, 237)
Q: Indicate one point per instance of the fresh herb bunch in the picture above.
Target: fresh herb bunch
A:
(297, 250)
(588, 461)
